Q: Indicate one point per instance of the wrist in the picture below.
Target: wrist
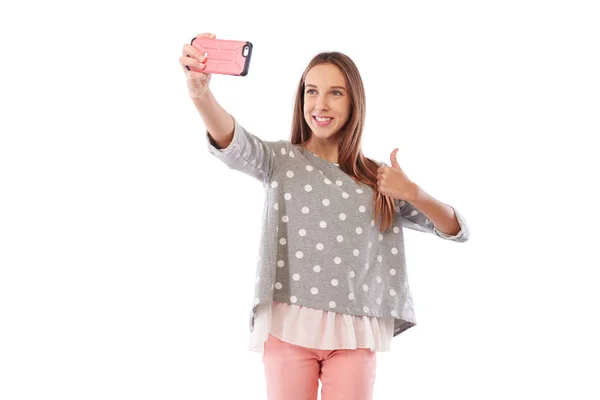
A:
(415, 192)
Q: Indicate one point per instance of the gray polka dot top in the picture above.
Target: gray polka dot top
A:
(320, 247)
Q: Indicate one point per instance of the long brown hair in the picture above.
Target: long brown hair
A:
(350, 157)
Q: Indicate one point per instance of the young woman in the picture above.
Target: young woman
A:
(331, 283)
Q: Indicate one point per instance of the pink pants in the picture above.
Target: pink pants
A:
(293, 372)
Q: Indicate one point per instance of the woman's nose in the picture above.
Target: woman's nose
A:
(321, 104)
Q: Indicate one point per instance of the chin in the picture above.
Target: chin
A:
(324, 131)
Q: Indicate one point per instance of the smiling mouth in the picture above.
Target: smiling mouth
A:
(322, 121)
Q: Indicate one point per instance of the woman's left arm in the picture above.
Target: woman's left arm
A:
(412, 200)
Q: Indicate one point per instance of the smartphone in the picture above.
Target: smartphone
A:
(225, 57)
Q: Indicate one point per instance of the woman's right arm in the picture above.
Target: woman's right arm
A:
(226, 138)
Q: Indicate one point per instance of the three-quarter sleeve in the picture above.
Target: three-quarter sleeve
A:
(412, 218)
(246, 153)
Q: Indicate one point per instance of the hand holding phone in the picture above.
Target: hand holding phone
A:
(197, 80)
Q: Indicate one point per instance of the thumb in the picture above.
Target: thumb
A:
(393, 159)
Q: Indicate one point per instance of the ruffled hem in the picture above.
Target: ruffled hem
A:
(319, 329)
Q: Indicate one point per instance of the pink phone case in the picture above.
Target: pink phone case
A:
(226, 57)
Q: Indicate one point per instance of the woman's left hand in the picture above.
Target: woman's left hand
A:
(393, 182)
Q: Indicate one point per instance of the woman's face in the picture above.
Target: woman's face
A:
(326, 95)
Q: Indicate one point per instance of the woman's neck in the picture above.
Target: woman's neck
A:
(325, 150)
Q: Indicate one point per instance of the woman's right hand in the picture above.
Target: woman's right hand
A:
(197, 82)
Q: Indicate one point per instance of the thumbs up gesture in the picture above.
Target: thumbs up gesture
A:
(393, 182)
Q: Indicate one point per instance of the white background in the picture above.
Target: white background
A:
(127, 251)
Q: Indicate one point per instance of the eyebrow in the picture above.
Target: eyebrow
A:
(333, 87)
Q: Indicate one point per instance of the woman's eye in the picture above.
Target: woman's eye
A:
(309, 91)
